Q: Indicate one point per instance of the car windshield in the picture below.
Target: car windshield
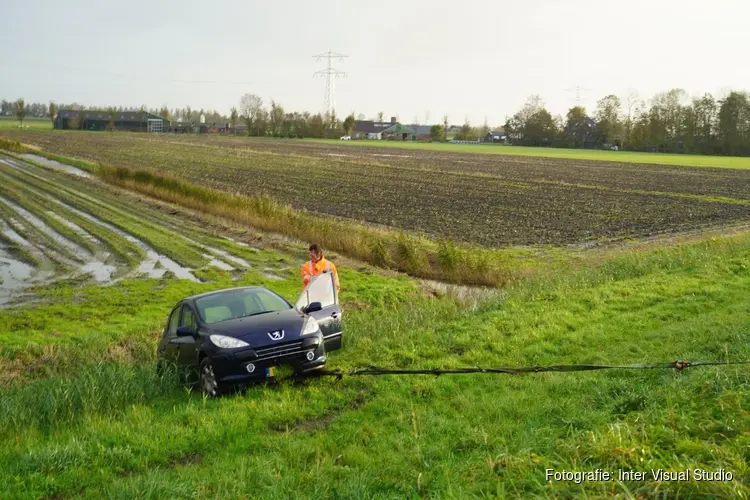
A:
(233, 304)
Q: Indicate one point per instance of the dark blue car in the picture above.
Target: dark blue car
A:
(239, 335)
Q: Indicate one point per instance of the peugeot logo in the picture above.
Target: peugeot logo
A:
(276, 334)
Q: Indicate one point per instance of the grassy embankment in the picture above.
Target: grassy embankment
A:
(114, 429)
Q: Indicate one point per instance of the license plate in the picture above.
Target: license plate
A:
(270, 372)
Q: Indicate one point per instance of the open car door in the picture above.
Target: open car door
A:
(322, 289)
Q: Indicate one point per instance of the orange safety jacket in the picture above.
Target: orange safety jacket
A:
(311, 269)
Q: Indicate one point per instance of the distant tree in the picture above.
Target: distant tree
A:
(6, 107)
(445, 127)
(250, 107)
(317, 126)
(188, 116)
(52, 111)
(332, 125)
(233, 117)
(261, 124)
(360, 116)
(484, 130)
(608, 123)
(632, 102)
(705, 113)
(380, 116)
(516, 125)
(349, 124)
(540, 129)
(734, 123)
(20, 110)
(576, 129)
(465, 133)
(164, 113)
(436, 132)
(277, 117)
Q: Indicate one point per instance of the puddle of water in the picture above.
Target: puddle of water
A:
(75, 227)
(218, 263)
(240, 243)
(336, 154)
(393, 156)
(13, 272)
(17, 238)
(15, 275)
(102, 272)
(226, 255)
(152, 258)
(44, 228)
(56, 165)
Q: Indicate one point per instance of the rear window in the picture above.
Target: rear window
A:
(233, 304)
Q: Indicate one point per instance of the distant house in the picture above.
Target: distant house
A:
(496, 136)
(422, 132)
(454, 129)
(214, 128)
(136, 121)
(398, 131)
(367, 129)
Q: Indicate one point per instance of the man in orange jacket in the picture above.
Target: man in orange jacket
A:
(318, 264)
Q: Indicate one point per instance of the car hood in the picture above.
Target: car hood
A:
(255, 329)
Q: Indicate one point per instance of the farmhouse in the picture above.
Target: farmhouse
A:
(399, 132)
(367, 129)
(137, 121)
(498, 135)
(422, 132)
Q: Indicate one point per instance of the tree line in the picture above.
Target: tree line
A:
(669, 122)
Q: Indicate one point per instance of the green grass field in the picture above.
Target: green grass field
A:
(85, 415)
(103, 424)
(8, 123)
(561, 153)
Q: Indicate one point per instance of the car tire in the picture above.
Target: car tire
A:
(207, 382)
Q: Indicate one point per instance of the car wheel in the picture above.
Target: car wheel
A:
(207, 381)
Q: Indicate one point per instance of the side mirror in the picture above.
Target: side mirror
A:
(314, 306)
(184, 331)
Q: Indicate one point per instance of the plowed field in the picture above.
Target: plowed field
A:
(491, 200)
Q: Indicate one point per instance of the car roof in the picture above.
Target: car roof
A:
(214, 292)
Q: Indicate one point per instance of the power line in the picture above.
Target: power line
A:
(330, 73)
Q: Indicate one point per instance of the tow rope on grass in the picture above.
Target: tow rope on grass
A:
(374, 370)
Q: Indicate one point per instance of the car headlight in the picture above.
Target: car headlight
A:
(227, 342)
(311, 326)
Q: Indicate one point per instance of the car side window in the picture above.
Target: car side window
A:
(187, 318)
(320, 289)
(173, 322)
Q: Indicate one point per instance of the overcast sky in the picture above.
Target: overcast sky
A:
(470, 58)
